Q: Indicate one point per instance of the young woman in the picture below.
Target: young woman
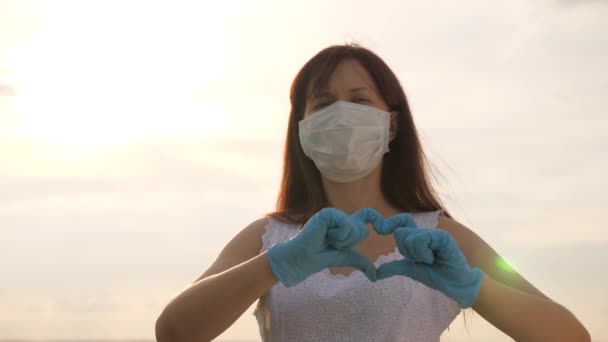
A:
(360, 247)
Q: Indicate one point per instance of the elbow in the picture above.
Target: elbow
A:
(578, 332)
(584, 336)
(163, 330)
(166, 331)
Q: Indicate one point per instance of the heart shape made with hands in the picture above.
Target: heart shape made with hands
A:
(402, 225)
(418, 247)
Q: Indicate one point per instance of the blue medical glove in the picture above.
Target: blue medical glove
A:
(381, 225)
(434, 259)
(326, 240)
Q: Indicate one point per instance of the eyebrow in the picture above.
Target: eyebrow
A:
(327, 94)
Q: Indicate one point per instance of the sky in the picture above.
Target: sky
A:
(137, 138)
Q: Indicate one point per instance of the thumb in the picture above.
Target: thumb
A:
(396, 221)
(353, 258)
(403, 233)
(369, 215)
(396, 267)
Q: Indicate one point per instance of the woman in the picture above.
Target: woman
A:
(352, 159)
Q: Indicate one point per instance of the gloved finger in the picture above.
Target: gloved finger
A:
(363, 233)
(336, 221)
(338, 233)
(401, 235)
(396, 221)
(415, 244)
(332, 217)
(354, 235)
(353, 258)
(418, 246)
(369, 215)
(445, 247)
(317, 226)
(392, 268)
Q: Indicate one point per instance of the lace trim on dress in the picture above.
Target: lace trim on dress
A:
(379, 261)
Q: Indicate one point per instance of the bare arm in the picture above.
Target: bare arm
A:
(219, 296)
(510, 302)
(526, 317)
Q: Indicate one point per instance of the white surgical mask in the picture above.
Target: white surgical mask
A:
(345, 140)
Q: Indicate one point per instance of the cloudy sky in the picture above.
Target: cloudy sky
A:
(137, 138)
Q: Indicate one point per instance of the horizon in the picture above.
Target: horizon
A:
(138, 138)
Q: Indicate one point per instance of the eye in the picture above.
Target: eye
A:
(360, 100)
(320, 105)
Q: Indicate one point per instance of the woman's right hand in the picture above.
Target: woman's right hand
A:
(327, 239)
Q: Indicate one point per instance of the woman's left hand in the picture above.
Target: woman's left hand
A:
(433, 258)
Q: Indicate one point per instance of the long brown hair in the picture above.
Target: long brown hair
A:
(404, 183)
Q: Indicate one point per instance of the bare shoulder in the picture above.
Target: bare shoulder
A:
(245, 245)
(466, 239)
(480, 254)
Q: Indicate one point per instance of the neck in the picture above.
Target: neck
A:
(362, 193)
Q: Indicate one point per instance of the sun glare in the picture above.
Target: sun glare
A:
(114, 74)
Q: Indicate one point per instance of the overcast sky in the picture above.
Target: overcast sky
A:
(136, 139)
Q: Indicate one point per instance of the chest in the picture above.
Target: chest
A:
(373, 247)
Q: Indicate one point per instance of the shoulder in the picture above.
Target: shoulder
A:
(459, 231)
(468, 241)
(243, 246)
(257, 227)
(250, 237)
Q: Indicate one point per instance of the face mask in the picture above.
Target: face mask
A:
(345, 140)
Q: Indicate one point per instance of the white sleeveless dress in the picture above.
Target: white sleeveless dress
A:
(327, 307)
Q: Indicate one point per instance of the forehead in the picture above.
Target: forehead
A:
(348, 73)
